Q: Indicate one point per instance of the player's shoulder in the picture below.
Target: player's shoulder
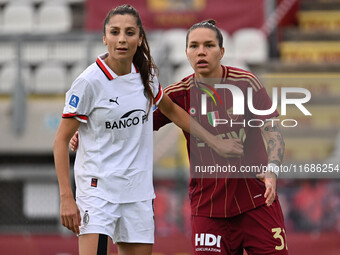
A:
(233, 69)
(248, 78)
(180, 87)
(90, 74)
(87, 80)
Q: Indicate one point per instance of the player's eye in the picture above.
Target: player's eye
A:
(130, 33)
(115, 32)
(193, 46)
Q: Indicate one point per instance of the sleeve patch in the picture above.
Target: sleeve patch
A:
(74, 101)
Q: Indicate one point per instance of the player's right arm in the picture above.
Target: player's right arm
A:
(69, 212)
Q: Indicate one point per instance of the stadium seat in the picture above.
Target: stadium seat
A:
(40, 200)
(18, 17)
(175, 41)
(250, 45)
(8, 78)
(74, 72)
(50, 78)
(181, 72)
(97, 48)
(34, 53)
(228, 44)
(335, 156)
(235, 62)
(54, 18)
(309, 149)
(157, 46)
(69, 52)
(8, 51)
(1, 20)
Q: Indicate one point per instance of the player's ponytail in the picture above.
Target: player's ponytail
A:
(142, 58)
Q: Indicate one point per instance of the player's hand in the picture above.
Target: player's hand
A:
(74, 142)
(228, 148)
(269, 179)
(70, 214)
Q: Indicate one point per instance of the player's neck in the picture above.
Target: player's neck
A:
(119, 67)
(210, 77)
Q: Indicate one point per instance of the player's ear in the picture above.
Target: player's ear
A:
(140, 40)
(104, 40)
(222, 52)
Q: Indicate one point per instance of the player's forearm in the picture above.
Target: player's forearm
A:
(183, 120)
(62, 165)
(275, 143)
(224, 147)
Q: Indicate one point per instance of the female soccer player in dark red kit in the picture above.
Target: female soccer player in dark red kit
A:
(230, 212)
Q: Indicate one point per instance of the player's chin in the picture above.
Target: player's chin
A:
(204, 71)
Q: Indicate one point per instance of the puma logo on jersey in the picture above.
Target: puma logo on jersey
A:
(114, 101)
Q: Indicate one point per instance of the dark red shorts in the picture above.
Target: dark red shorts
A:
(259, 231)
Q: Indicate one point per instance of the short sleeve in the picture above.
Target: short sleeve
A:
(156, 90)
(78, 102)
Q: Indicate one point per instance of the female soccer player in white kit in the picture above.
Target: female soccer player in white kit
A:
(109, 103)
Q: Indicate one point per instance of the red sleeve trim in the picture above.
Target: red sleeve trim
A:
(72, 115)
(159, 95)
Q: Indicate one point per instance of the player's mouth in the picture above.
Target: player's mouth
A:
(202, 63)
(122, 49)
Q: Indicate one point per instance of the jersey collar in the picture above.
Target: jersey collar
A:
(107, 70)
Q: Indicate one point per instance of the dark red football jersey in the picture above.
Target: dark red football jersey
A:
(223, 194)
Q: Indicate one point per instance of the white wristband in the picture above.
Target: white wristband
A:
(273, 168)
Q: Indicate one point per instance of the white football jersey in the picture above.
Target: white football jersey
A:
(114, 159)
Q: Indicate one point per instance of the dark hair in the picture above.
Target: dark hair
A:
(142, 58)
(207, 24)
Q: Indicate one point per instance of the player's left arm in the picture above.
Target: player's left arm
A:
(271, 132)
(224, 147)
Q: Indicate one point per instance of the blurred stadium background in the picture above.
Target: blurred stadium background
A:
(45, 44)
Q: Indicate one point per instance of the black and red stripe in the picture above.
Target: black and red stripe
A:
(104, 69)
(159, 95)
(72, 115)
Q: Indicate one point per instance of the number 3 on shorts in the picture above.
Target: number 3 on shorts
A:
(278, 235)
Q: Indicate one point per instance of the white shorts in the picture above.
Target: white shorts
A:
(128, 222)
